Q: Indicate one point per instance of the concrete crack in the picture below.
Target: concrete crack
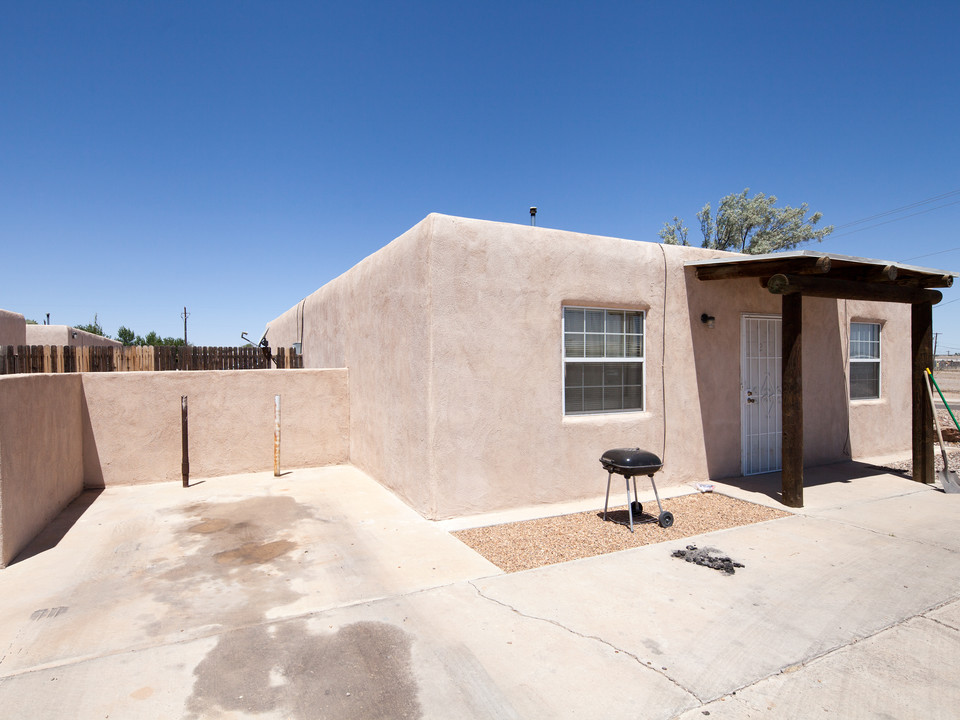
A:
(942, 623)
(602, 641)
(881, 533)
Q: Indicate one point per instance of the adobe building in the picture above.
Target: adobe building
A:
(491, 364)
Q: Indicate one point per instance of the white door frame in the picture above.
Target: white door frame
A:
(761, 354)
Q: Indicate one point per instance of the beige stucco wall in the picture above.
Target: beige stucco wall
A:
(375, 320)
(884, 426)
(62, 335)
(452, 335)
(131, 422)
(41, 454)
(12, 328)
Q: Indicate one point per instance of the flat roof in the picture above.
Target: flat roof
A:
(834, 258)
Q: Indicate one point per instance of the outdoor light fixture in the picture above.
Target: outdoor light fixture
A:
(708, 320)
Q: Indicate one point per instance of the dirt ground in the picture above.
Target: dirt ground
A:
(948, 380)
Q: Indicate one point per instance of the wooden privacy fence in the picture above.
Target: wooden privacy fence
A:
(55, 359)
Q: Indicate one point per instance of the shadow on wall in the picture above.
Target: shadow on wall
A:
(51, 536)
(92, 471)
(826, 407)
(716, 346)
(716, 357)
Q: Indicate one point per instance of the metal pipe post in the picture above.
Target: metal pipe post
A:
(185, 445)
(276, 437)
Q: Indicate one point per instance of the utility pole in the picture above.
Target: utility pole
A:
(185, 315)
(935, 336)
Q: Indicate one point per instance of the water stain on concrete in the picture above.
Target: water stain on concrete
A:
(209, 525)
(234, 562)
(254, 553)
(361, 671)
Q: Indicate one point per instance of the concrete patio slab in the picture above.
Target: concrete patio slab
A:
(906, 516)
(948, 614)
(809, 587)
(320, 595)
(439, 653)
(826, 486)
(898, 673)
(159, 563)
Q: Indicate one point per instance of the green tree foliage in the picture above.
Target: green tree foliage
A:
(750, 225)
(30, 322)
(126, 335)
(93, 327)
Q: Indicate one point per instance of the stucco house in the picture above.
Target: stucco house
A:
(15, 330)
(491, 364)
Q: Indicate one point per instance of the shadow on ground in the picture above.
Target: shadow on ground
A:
(56, 530)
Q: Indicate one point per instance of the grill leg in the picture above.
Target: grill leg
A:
(607, 501)
(656, 494)
(629, 502)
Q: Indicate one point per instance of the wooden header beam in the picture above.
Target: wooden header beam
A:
(797, 266)
(850, 289)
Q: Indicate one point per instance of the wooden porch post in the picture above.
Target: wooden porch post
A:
(792, 400)
(921, 343)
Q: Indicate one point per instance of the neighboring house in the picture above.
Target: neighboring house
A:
(14, 330)
(63, 335)
(490, 365)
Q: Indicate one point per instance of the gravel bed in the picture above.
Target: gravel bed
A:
(535, 543)
(950, 442)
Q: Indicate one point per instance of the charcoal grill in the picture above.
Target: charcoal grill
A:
(631, 462)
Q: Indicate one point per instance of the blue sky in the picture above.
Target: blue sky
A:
(235, 156)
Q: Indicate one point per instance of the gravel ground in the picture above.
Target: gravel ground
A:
(950, 438)
(535, 543)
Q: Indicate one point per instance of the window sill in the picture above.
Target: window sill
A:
(607, 418)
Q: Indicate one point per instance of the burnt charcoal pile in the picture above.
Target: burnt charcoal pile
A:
(708, 557)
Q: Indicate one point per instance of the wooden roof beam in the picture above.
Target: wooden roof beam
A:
(781, 284)
(733, 270)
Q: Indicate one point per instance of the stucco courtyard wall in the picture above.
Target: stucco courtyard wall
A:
(453, 338)
(375, 320)
(131, 422)
(41, 454)
(12, 328)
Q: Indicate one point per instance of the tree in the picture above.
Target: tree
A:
(126, 335)
(750, 225)
(93, 327)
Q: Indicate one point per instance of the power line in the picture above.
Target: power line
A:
(887, 222)
(939, 252)
(899, 209)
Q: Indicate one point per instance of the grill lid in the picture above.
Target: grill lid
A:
(630, 461)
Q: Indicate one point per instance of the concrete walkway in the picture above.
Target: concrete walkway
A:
(320, 595)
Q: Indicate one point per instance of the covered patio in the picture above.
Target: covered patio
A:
(794, 275)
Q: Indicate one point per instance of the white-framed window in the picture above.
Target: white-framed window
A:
(864, 360)
(602, 360)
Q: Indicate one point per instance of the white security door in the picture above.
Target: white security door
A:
(760, 433)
